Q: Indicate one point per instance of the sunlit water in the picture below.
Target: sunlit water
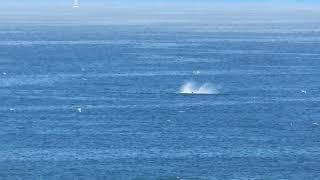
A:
(160, 101)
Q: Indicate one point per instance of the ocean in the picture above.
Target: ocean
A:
(182, 98)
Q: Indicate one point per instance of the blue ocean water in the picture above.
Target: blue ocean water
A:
(104, 101)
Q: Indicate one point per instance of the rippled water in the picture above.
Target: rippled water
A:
(104, 102)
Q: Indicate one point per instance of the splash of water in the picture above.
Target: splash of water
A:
(193, 88)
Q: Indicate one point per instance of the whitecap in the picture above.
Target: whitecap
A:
(193, 88)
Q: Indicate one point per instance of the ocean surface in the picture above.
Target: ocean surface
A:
(108, 101)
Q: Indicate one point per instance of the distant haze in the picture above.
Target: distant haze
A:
(136, 12)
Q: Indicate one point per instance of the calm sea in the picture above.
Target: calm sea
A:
(104, 101)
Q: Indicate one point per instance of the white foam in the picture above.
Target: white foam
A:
(196, 72)
(303, 91)
(193, 88)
